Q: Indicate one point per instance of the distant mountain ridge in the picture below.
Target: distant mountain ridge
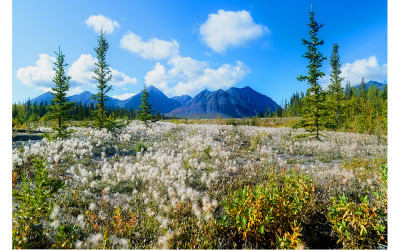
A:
(183, 99)
(234, 102)
(160, 102)
(372, 83)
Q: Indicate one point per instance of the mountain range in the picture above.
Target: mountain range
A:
(379, 85)
(234, 102)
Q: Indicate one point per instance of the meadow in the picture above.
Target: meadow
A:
(183, 184)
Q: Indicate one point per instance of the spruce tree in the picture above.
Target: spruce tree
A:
(348, 90)
(102, 74)
(60, 108)
(268, 112)
(336, 97)
(362, 90)
(315, 97)
(145, 112)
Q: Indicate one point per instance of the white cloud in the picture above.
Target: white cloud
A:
(74, 91)
(43, 89)
(230, 29)
(187, 75)
(367, 68)
(81, 71)
(120, 79)
(123, 96)
(41, 75)
(159, 77)
(153, 49)
(100, 22)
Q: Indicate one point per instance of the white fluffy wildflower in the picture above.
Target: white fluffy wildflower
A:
(163, 240)
(80, 220)
(92, 206)
(95, 240)
(55, 212)
(123, 243)
(78, 244)
(55, 224)
(197, 210)
(87, 192)
(164, 223)
(149, 212)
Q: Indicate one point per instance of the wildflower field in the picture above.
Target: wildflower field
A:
(171, 185)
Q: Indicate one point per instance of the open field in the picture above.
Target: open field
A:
(201, 186)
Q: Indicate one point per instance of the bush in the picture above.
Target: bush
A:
(270, 215)
(141, 146)
(231, 122)
(35, 205)
(361, 225)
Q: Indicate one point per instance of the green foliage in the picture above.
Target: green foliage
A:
(60, 108)
(34, 207)
(358, 225)
(315, 97)
(355, 113)
(231, 122)
(141, 146)
(66, 236)
(194, 233)
(102, 74)
(253, 121)
(271, 215)
(335, 98)
(207, 152)
(145, 112)
(26, 116)
(295, 106)
(255, 140)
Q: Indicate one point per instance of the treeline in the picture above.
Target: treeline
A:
(25, 114)
(361, 110)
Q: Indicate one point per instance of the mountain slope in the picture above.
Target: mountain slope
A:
(160, 102)
(253, 99)
(183, 99)
(373, 83)
(46, 97)
(235, 102)
(86, 98)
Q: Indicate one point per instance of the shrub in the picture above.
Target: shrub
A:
(219, 120)
(66, 236)
(141, 146)
(207, 152)
(231, 122)
(361, 225)
(271, 215)
(35, 205)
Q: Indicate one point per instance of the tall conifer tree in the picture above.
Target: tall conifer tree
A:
(314, 99)
(336, 97)
(102, 74)
(60, 108)
(144, 113)
(362, 92)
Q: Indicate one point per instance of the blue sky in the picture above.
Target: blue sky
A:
(183, 47)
